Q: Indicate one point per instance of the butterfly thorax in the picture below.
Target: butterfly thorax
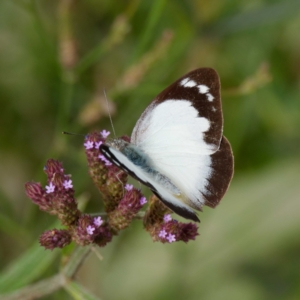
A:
(116, 143)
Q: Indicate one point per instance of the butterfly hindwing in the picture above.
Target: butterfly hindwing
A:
(222, 172)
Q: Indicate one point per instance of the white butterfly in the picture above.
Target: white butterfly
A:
(177, 146)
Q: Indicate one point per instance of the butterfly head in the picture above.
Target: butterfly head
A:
(116, 143)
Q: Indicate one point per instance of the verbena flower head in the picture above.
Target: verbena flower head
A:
(122, 203)
(109, 179)
(126, 210)
(87, 232)
(55, 238)
(173, 231)
(57, 198)
(159, 223)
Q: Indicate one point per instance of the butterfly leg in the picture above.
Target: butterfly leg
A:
(117, 176)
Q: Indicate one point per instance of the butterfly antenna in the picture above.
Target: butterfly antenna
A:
(71, 133)
(110, 119)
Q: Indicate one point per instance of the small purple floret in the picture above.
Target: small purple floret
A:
(128, 187)
(162, 234)
(50, 188)
(98, 221)
(171, 238)
(105, 160)
(68, 184)
(98, 144)
(167, 218)
(90, 230)
(88, 145)
(105, 133)
(143, 200)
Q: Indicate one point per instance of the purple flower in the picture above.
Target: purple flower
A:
(97, 144)
(143, 200)
(88, 145)
(68, 184)
(162, 234)
(105, 133)
(105, 160)
(128, 187)
(108, 163)
(167, 218)
(50, 188)
(171, 238)
(90, 230)
(98, 221)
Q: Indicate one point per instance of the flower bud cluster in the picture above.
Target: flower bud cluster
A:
(55, 238)
(92, 230)
(127, 208)
(159, 223)
(108, 178)
(57, 198)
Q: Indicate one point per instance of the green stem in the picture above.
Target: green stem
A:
(77, 258)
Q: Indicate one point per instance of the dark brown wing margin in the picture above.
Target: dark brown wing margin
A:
(222, 165)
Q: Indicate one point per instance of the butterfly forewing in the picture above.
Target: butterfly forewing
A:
(201, 88)
(180, 134)
(181, 130)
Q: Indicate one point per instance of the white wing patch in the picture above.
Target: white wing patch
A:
(210, 97)
(172, 135)
(187, 82)
(203, 89)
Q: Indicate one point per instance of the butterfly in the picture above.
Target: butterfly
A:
(177, 146)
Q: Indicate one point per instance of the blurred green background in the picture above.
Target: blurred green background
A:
(56, 57)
